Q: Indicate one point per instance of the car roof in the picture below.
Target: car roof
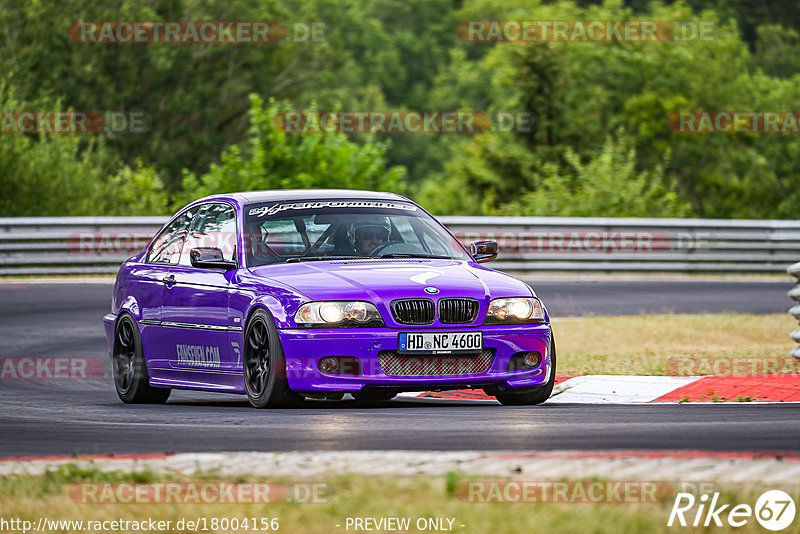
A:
(307, 194)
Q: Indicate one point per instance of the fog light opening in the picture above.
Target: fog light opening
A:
(532, 359)
(329, 365)
(340, 365)
(525, 361)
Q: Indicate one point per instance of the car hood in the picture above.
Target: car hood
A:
(383, 280)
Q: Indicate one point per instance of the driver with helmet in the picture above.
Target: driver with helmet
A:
(367, 235)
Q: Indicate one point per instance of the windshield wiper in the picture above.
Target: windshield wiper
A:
(298, 259)
(406, 255)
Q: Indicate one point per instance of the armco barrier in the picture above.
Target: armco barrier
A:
(97, 245)
(629, 244)
(71, 245)
(794, 270)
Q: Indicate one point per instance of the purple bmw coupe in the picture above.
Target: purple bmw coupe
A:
(283, 295)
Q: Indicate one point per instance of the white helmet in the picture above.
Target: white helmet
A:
(376, 223)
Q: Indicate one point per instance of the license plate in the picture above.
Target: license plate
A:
(440, 342)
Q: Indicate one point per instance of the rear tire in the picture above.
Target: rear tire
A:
(264, 365)
(531, 396)
(131, 379)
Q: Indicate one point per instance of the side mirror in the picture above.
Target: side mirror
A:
(210, 258)
(483, 250)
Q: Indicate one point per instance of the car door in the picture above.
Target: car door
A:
(195, 312)
(148, 287)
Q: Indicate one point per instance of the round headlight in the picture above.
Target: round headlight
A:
(331, 312)
(515, 310)
(520, 308)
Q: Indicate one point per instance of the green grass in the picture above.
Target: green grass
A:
(29, 497)
(643, 344)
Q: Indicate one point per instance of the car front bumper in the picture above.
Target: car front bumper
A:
(303, 348)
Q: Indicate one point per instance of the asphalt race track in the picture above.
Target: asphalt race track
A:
(47, 417)
(613, 297)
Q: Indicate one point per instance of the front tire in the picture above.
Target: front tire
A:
(531, 396)
(265, 365)
(131, 378)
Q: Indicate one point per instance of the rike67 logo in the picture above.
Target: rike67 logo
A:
(774, 510)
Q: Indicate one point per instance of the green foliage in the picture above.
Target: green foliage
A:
(585, 93)
(195, 94)
(137, 191)
(273, 159)
(74, 472)
(452, 480)
(52, 481)
(482, 172)
(608, 185)
(53, 174)
(602, 145)
(778, 50)
(70, 174)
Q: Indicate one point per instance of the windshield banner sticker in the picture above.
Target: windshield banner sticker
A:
(277, 208)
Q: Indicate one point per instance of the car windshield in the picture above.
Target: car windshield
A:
(280, 232)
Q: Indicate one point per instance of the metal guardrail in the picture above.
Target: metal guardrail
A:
(794, 293)
(633, 244)
(97, 245)
(71, 245)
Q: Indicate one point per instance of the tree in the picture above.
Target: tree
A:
(273, 159)
(194, 94)
(585, 93)
(69, 174)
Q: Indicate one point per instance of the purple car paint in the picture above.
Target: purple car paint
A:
(367, 293)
